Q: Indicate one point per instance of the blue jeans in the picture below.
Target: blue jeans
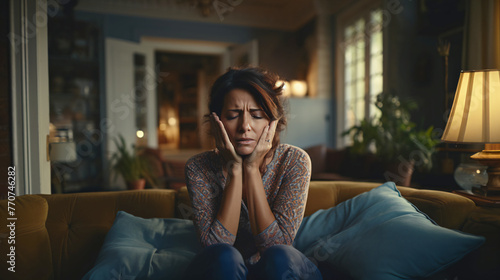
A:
(223, 261)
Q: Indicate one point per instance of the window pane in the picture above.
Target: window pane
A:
(360, 50)
(376, 86)
(376, 64)
(376, 43)
(375, 23)
(347, 74)
(360, 69)
(363, 36)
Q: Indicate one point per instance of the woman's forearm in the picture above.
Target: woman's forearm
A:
(229, 211)
(259, 212)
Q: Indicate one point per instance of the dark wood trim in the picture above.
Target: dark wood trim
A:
(480, 200)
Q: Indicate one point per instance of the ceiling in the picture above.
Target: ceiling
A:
(274, 14)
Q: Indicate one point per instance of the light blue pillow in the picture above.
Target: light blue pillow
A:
(137, 248)
(380, 235)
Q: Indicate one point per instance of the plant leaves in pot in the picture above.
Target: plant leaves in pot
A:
(130, 165)
(397, 143)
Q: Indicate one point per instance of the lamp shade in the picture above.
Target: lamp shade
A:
(475, 115)
(63, 151)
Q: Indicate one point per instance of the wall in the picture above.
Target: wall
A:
(282, 52)
(308, 122)
(414, 69)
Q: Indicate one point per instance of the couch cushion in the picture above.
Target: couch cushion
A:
(78, 223)
(33, 259)
(380, 235)
(137, 248)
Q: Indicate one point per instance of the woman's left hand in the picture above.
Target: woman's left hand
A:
(263, 146)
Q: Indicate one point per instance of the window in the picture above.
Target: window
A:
(361, 53)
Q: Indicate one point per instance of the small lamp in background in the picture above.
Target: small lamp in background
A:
(286, 87)
(475, 118)
(298, 88)
(62, 151)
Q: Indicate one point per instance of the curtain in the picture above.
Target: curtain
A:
(482, 35)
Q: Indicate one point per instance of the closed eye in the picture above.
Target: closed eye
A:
(231, 117)
(257, 113)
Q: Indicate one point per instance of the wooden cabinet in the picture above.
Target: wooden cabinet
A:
(187, 104)
(75, 102)
(182, 99)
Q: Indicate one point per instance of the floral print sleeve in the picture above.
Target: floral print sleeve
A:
(286, 183)
(204, 191)
(289, 204)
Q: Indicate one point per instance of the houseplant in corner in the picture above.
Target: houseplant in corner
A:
(130, 165)
(394, 139)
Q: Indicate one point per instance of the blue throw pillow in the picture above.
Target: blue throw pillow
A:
(137, 248)
(380, 235)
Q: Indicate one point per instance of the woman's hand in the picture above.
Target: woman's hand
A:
(265, 143)
(224, 146)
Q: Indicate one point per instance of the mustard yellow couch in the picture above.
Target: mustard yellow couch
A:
(59, 236)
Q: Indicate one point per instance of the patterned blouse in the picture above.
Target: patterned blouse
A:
(286, 182)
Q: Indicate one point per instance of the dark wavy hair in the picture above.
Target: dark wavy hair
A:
(262, 85)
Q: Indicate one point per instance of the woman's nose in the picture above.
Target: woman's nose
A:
(245, 123)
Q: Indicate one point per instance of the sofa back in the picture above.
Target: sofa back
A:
(59, 236)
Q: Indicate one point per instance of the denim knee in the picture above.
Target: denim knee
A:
(224, 254)
(277, 255)
(286, 262)
(218, 261)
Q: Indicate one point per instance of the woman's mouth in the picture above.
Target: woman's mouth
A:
(244, 141)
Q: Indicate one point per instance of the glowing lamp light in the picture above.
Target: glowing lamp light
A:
(475, 118)
(286, 87)
(298, 88)
(172, 121)
(140, 133)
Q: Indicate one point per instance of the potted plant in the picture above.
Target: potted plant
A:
(394, 139)
(130, 165)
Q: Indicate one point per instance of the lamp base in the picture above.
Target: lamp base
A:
(490, 157)
(487, 192)
(488, 195)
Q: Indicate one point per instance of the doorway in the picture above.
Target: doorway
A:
(182, 98)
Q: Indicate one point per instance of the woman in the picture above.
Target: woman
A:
(249, 194)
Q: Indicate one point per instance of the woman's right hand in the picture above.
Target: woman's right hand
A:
(224, 146)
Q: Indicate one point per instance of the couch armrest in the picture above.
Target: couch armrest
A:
(29, 238)
(447, 209)
(485, 221)
(78, 223)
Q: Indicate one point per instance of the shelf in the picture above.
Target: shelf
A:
(75, 99)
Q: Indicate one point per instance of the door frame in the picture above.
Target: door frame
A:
(30, 96)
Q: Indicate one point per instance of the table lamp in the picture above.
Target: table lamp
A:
(62, 151)
(475, 118)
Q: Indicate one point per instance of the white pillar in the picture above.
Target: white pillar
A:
(30, 95)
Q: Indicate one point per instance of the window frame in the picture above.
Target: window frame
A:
(345, 18)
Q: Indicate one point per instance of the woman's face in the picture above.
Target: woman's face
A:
(244, 120)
